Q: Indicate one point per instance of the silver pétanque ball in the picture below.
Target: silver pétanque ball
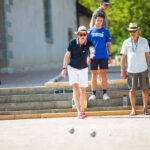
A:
(71, 130)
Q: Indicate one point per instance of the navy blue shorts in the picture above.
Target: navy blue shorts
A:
(102, 63)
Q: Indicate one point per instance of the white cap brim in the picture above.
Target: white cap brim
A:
(81, 31)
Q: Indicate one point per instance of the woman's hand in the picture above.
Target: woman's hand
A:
(63, 73)
(88, 61)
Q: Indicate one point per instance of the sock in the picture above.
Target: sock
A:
(104, 91)
(94, 93)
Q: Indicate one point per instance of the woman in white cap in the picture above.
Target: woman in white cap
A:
(78, 52)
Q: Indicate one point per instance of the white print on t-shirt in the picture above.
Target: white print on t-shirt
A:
(98, 34)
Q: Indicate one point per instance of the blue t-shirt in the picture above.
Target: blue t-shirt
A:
(79, 53)
(99, 38)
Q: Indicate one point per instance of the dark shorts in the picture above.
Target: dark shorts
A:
(134, 78)
(101, 63)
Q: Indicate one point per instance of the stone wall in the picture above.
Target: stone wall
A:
(3, 50)
(26, 46)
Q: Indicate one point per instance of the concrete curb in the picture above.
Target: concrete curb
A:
(122, 81)
(70, 114)
(58, 77)
(55, 79)
(109, 71)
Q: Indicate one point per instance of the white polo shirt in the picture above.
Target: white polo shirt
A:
(136, 58)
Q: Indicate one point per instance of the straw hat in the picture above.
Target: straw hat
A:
(133, 27)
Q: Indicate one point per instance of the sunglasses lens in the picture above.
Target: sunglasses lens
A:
(132, 31)
(82, 34)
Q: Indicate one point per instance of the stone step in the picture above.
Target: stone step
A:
(53, 87)
(67, 110)
(139, 111)
(63, 104)
(36, 111)
(35, 105)
(113, 102)
(24, 91)
(60, 96)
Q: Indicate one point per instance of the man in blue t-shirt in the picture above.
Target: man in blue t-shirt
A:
(78, 52)
(101, 39)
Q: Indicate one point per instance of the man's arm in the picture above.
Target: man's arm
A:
(148, 60)
(66, 58)
(123, 63)
(109, 51)
(92, 23)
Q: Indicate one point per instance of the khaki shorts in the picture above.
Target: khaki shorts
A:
(134, 78)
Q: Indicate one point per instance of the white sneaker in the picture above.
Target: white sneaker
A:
(92, 98)
(106, 97)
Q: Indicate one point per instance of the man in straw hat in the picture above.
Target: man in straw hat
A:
(104, 4)
(78, 52)
(135, 50)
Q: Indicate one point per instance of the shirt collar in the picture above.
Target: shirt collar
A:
(77, 42)
(139, 38)
(100, 8)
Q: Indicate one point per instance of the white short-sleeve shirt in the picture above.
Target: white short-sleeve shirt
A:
(136, 58)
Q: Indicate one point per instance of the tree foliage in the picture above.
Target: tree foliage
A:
(91, 4)
(121, 13)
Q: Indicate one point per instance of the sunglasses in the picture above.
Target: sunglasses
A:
(106, 5)
(82, 34)
(132, 31)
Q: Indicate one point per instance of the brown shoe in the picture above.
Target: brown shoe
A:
(133, 113)
(146, 112)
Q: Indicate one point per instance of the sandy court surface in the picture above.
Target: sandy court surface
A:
(113, 133)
